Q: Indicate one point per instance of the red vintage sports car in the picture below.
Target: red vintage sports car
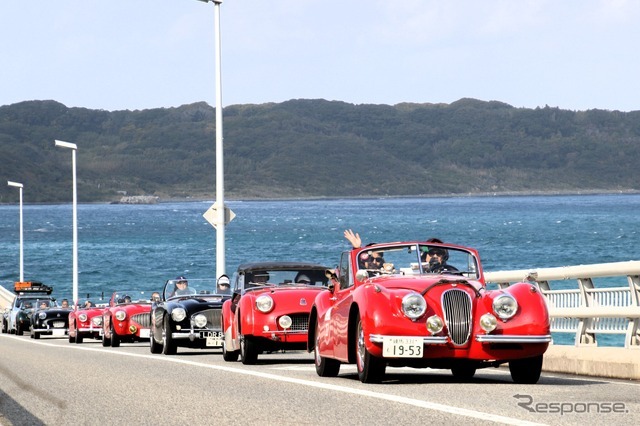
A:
(85, 322)
(425, 305)
(126, 318)
(269, 308)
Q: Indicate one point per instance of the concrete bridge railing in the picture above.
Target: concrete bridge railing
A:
(586, 309)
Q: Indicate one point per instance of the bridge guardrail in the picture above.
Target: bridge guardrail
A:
(587, 309)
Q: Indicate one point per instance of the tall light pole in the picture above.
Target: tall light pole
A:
(219, 221)
(19, 185)
(73, 148)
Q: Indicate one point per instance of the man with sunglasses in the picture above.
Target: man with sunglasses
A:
(436, 261)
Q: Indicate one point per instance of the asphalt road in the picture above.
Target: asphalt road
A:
(50, 381)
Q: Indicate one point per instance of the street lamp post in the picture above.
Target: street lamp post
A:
(19, 185)
(220, 219)
(73, 148)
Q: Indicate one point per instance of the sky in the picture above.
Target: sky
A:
(141, 54)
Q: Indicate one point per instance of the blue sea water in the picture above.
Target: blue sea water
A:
(143, 245)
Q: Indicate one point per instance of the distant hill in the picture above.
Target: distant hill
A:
(316, 148)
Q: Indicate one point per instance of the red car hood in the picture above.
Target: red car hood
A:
(420, 283)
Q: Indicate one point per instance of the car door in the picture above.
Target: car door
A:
(339, 315)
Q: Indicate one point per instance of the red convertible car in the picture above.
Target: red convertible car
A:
(269, 308)
(85, 322)
(126, 318)
(422, 305)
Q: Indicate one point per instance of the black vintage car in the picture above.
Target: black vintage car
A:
(17, 318)
(49, 319)
(187, 314)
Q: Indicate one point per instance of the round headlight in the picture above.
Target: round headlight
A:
(285, 321)
(200, 321)
(264, 303)
(505, 306)
(42, 315)
(435, 324)
(488, 323)
(97, 320)
(178, 314)
(82, 317)
(121, 315)
(414, 305)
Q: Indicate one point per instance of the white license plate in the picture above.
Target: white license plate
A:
(402, 347)
(145, 333)
(57, 332)
(214, 341)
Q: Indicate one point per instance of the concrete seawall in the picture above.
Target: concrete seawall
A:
(606, 362)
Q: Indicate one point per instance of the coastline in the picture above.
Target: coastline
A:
(231, 197)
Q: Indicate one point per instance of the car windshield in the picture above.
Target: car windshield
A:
(123, 297)
(418, 259)
(279, 277)
(38, 303)
(192, 287)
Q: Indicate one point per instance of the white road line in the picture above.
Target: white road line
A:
(336, 388)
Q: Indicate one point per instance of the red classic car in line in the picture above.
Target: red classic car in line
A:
(422, 305)
(85, 322)
(126, 318)
(269, 309)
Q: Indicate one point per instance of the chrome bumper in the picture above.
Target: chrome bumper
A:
(488, 338)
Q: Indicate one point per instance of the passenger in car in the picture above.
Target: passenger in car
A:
(436, 259)
(223, 286)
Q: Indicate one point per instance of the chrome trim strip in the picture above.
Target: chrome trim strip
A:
(487, 338)
(283, 333)
(428, 340)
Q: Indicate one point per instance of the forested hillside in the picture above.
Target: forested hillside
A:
(316, 148)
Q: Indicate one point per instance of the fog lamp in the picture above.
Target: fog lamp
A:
(435, 324)
(488, 323)
(285, 321)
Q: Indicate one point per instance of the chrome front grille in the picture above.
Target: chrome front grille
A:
(144, 320)
(456, 305)
(213, 318)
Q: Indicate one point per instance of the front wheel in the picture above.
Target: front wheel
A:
(248, 350)
(463, 372)
(169, 346)
(115, 339)
(526, 371)
(72, 339)
(154, 346)
(36, 335)
(19, 331)
(325, 367)
(79, 337)
(370, 368)
(230, 356)
(105, 342)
